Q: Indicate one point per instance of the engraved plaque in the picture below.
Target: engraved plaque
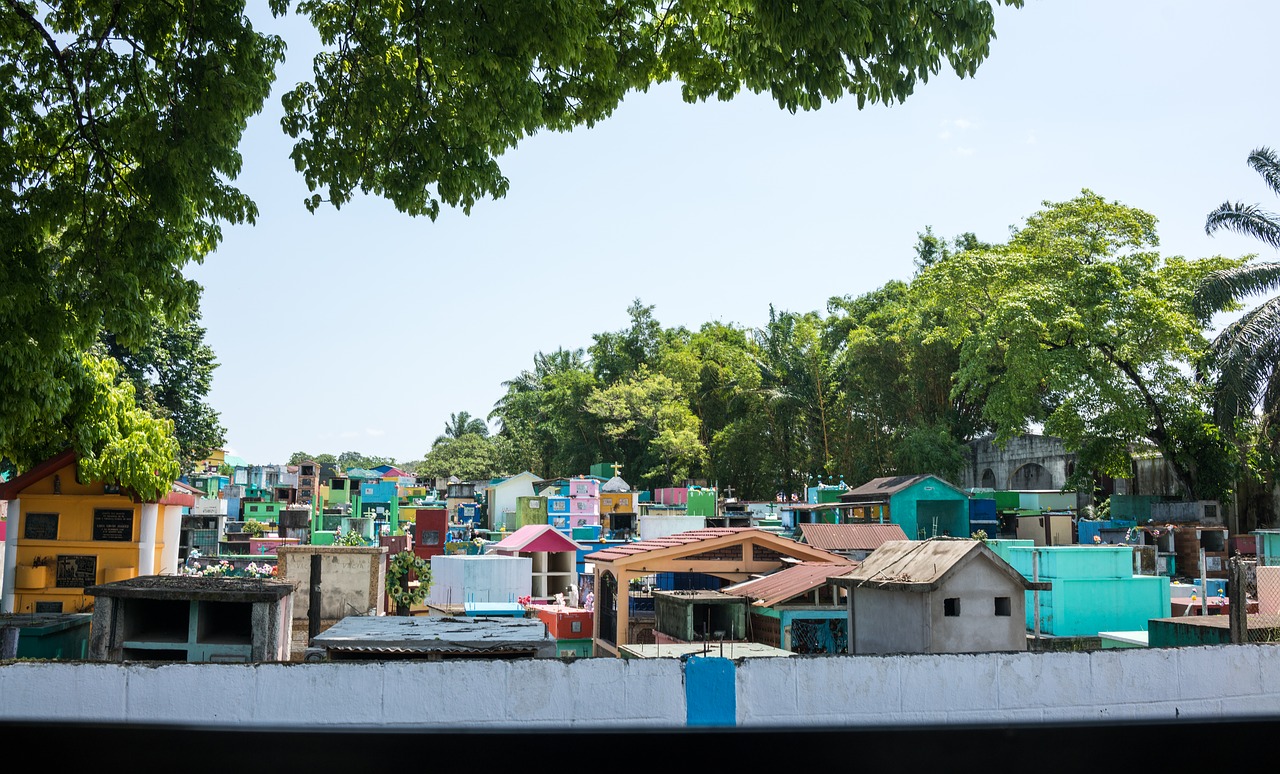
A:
(76, 572)
(113, 524)
(40, 526)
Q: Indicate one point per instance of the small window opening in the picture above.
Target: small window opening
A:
(951, 606)
(1003, 607)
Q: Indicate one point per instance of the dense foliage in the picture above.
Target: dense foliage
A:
(120, 127)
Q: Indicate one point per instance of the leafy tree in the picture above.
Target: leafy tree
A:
(120, 128)
(350, 459)
(469, 457)
(617, 355)
(1078, 322)
(415, 101)
(1244, 356)
(541, 416)
(171, 373)
(650, 417)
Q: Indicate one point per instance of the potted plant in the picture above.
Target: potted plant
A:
(35, 576)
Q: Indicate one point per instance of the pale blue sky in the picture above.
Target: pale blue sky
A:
(363, 329)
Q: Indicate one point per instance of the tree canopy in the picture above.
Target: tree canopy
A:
(121, 125)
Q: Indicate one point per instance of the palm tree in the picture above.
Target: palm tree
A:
(461, 424)
(1243, 358)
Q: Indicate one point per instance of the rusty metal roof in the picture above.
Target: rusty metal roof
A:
(890, 485)
(850, 537)
(792, 582)
(922, 565)
(389, 635)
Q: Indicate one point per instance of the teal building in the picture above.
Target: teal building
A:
(923, 505)
(1093, 589)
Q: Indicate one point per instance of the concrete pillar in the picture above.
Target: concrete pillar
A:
(7, 579)
(147, 539)
(171, 538)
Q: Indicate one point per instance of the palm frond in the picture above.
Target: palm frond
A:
(1265, 163)
(1219, 290)
(1248, 219)
(1243, 358)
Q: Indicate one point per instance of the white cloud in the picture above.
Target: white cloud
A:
(944, 135)
(965, 151)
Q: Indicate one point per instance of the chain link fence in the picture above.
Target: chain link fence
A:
(1258, 595)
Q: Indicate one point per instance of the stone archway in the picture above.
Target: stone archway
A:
(988, 480)
(1031, 477)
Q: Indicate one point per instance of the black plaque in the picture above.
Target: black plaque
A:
(76, 572)
(48, 607)
(40, 526)
(113, 524)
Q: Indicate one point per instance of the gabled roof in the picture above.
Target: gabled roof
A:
(179, 492)
(535, 537)
(850, 537)
(698, 540)
(891, 485)
(788, 583)
(923, 565)
(615, 484)
(516, 479)
(235, 461)
(12, 488)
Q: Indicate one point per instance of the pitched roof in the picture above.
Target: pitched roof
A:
(615, 484)
(694, 537)
(10, 489)
(678, 539)
(891, 485)
(536, 537)
(791, 582)
(923, 565)
(850, 537)
(179, 492)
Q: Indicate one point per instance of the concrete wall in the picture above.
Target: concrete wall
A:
(1006, 464)
(887, 621)
(352, 579)
(978, 627)
(1209, 683)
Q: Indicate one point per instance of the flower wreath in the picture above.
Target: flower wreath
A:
(399, 568)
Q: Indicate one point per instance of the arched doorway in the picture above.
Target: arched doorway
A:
(988, 480)
(608, 602)
(1032, 476)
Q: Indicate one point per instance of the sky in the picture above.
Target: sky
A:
(362, 329)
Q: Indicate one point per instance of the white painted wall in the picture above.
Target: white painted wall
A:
(654, 526)
(459, 578)
(1207, 683)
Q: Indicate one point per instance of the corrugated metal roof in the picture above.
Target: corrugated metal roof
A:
(436, 634)
(891, 485)
(784, 584)
(670, 541)
(850, 537)
(922, 565)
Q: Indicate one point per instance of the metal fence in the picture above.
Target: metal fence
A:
(1253, 589)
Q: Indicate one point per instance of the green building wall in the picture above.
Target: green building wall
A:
(930, 508)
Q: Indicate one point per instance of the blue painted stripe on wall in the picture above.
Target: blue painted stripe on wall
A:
(710, 691)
